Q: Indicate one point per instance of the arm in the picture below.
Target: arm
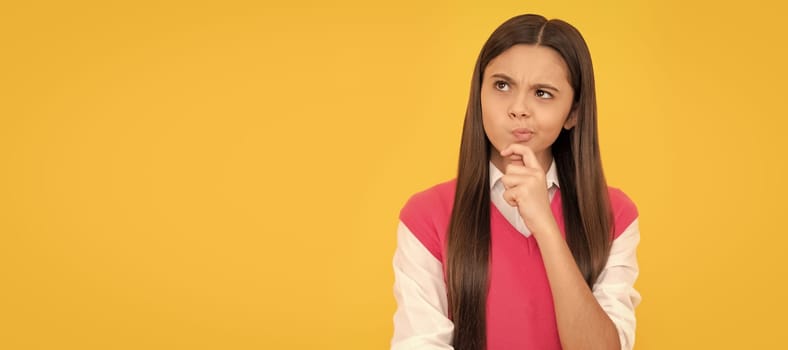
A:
(602, 319)
(614, 289)
(420, 321)
(582, 323)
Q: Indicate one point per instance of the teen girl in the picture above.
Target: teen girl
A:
(528, 248)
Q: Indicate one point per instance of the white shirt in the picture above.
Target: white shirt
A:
(421, 320)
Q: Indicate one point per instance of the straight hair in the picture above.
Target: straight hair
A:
(584, 197)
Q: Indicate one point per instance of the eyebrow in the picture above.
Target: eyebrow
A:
(537, 85)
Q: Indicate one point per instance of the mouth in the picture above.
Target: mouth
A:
(522, 134)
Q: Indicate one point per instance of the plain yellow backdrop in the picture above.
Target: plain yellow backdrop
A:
(228, 175)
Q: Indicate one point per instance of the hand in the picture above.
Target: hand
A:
(526, 189)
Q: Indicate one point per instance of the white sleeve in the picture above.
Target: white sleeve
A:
(420, 321)
(614, 289)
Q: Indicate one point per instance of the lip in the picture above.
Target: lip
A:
(523, 134)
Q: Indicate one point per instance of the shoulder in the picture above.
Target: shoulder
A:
(625, 211)
(426, 214)
(430, 199)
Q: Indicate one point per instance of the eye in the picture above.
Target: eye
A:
(502, 85)
(544, 94)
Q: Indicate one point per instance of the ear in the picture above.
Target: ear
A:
(571, 120)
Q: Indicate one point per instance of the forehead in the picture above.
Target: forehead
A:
(530, 62)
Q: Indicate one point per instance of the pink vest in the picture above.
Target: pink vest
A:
(520, 312)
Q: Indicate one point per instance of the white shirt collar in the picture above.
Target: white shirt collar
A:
(551, 176)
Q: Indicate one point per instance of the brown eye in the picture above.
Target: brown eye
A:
(502, 85)
(544, 94)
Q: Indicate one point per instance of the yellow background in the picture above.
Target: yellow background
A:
(229, 175)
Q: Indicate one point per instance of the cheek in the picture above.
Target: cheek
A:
(555, 115)
(493, 131)
(488, 127)
(490, 111)
(489, 100)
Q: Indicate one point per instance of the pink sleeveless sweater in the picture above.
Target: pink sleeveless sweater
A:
(520, 313)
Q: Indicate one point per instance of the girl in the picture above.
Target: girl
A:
(527, 248)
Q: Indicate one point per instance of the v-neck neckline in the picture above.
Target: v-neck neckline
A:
(555, 207)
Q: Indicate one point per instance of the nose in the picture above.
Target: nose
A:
(518, 107)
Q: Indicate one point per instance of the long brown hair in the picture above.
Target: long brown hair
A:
(586, 210)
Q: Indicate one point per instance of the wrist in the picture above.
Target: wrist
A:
(547, 231)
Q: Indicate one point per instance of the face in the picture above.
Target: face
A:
(526, 98)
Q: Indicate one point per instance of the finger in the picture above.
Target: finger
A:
(515, 160)
(515, 169)
(528, 156)
(511, 181)
(511, 157)
(506, 151)
(530, 160)
(513, 149)
(525, 176)
(510, 197)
